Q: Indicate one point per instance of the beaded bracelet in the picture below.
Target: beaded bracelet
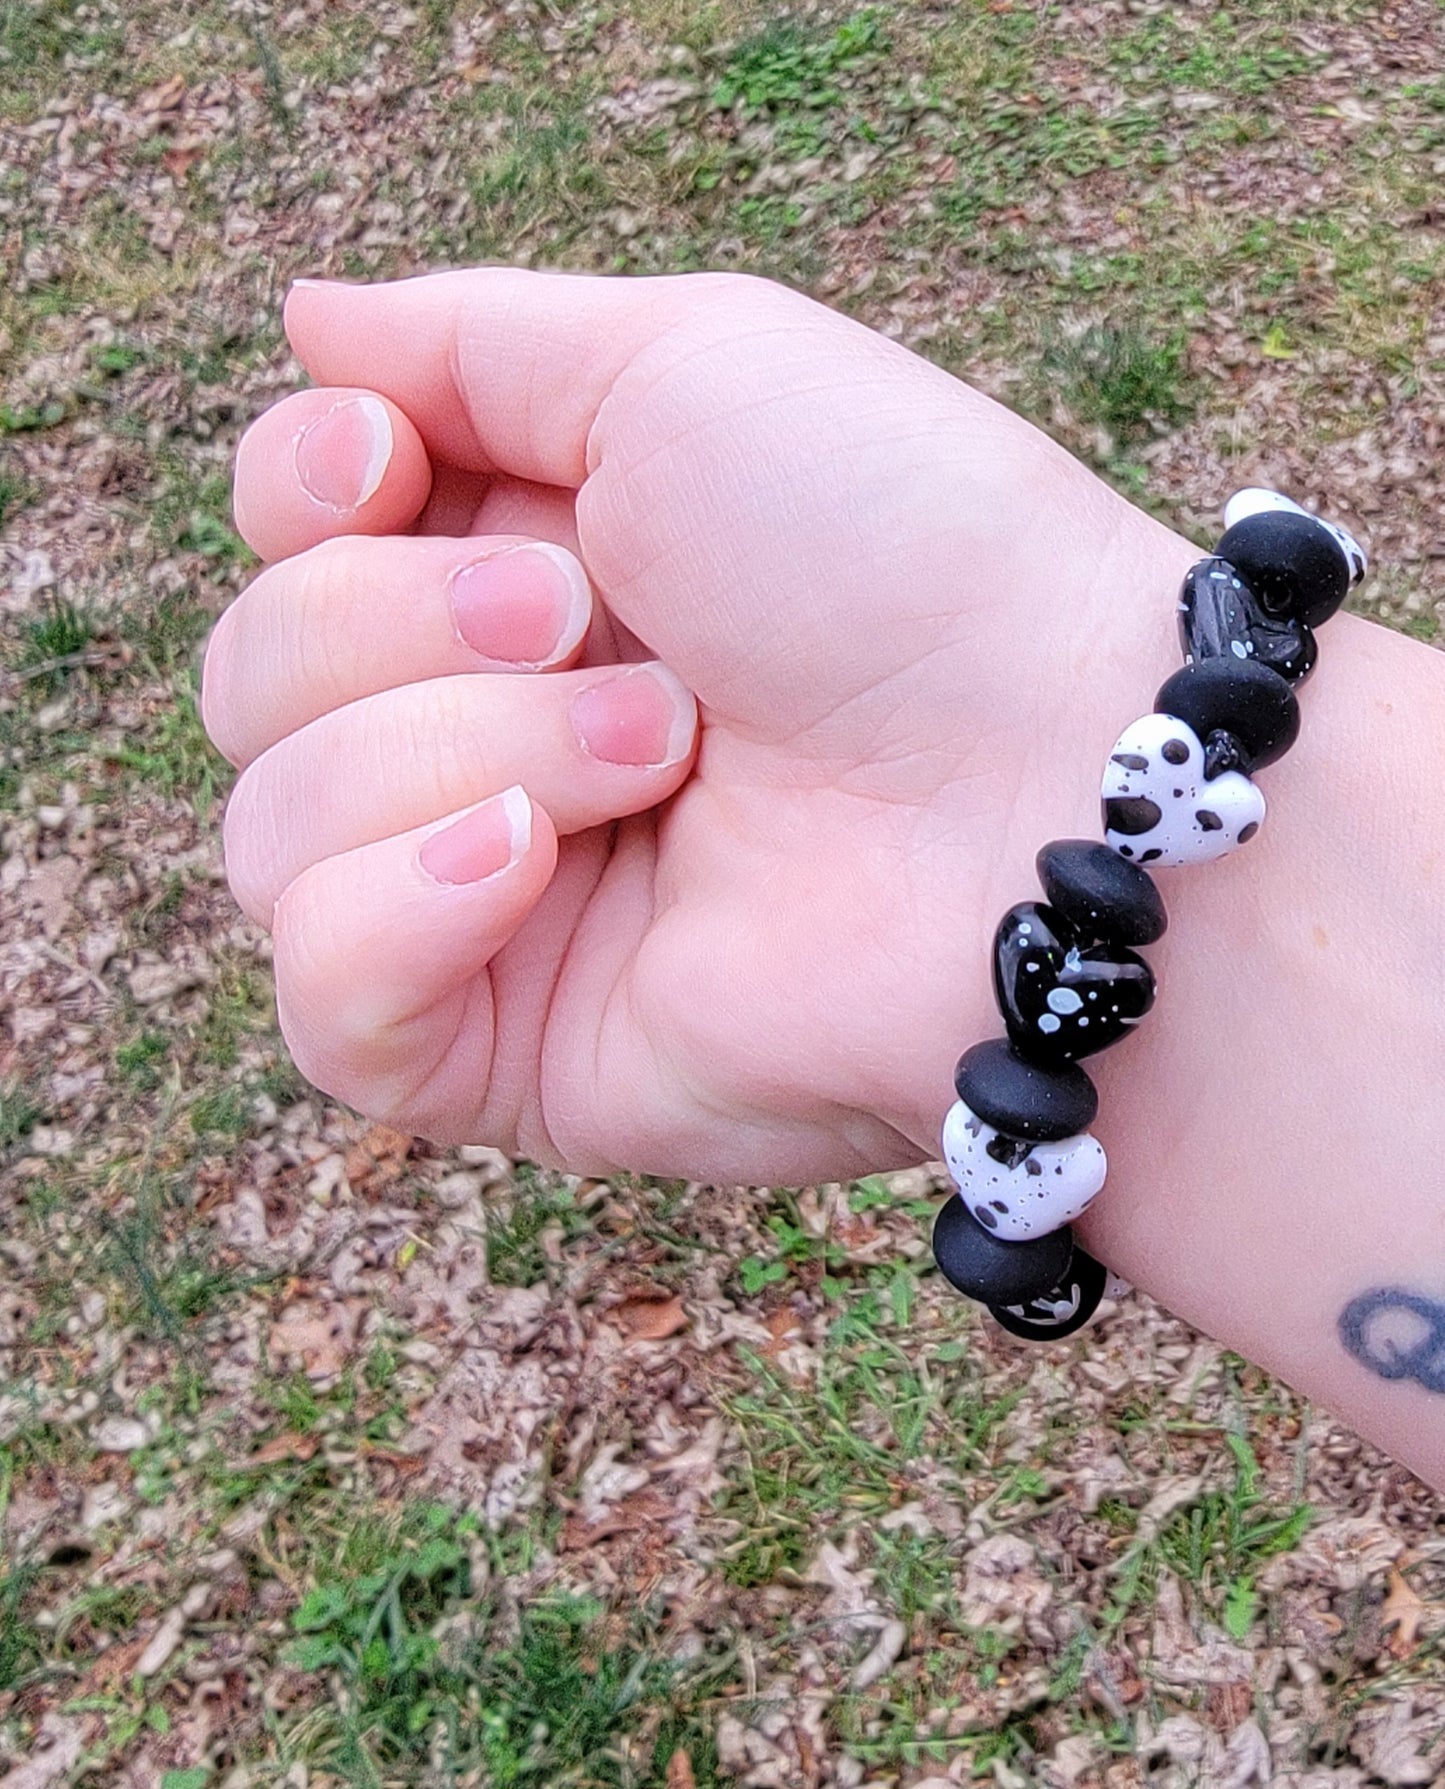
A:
(1066, 971)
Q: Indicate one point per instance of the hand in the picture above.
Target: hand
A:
(912, 624)
(914, 628)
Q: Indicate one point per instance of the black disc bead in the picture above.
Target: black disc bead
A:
(1293, 563)
(1238, 697)
(1220, 617)
(1025, 1099)
(1062, 999)
(977, 1264)
(1104, 897)
(1061, 1310)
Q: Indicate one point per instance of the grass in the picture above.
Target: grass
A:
(19, 1114)
(516, 1231)
(1124, 378)
(426, 1670)
(1217, 1543)
(16, 493)
(790, 67)
(174, 757)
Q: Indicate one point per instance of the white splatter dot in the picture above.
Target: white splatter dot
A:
(1064, 1000)
(1047, 1022)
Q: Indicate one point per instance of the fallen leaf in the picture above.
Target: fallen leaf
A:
(782, 1324)
(320, 1338)
(1229, 1703)
(54, 1752)
(679, 1772)
(1403, 1611)
(1391, 1740)
(289, 1446)
(164, 98)
(650, 1319)
(377, 1159)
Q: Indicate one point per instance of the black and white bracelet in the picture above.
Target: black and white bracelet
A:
(1067, 975)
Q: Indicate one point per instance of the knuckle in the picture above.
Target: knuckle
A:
(308, 616)
(244, 830)
(305, 960)
(216, 688)
(439, 731)
(337, 1023)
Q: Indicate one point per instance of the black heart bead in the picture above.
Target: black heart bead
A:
(1104, 897)
(1235, 696)
(1293, 563)
(1220, 617)
(1025, 1099)
(1061, 1000)
(1061, 1310)
(977, 1264)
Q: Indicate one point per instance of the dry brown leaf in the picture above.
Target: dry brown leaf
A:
(1391, 1740)
(378, 1158)
(164, 98)
(320, 1338)
(54, 1752)
(782, 1324)
(290, 1446)
(1229, 1703)
(1403, 1611)
(679, 1772)
(650, 1319)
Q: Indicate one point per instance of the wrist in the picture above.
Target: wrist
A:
(1272, 1131)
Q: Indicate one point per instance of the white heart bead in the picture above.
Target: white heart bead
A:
(1020, 1189)
(1158, 807)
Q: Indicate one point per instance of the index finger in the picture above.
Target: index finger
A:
(325, 463)
(505, 368)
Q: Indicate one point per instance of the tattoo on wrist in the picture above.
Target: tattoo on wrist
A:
(1397, 1334)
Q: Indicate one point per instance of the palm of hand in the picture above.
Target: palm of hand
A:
(883, 591)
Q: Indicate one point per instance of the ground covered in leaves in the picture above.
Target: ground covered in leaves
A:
(327, 1458)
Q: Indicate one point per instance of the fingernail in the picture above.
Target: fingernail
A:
(642, 715)
(342, 457)
(527, 606)
(483, 842)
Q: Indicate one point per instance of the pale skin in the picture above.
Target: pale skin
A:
(901, 631)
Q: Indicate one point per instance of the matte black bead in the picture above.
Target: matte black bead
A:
(1103, 896)
(1220, 617)
(1024, 1099)
(1250, 701)
(1292, 563)
(1061, 1000)
(978, 1265)
(1061, 1310)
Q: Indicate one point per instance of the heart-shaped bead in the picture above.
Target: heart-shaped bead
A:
(1158, 806)
(1219, 617)
(1019, 1191)
(1059, 1000)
